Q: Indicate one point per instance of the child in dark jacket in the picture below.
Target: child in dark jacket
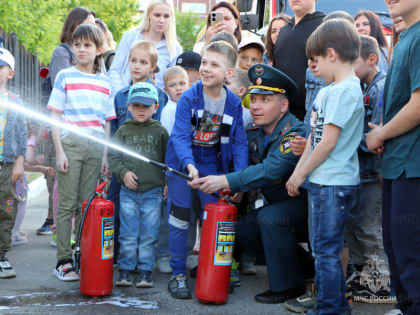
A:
(142, 185)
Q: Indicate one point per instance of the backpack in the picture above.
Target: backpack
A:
(47, 85)
(108, 58)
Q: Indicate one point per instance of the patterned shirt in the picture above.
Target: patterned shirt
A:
(83, 99)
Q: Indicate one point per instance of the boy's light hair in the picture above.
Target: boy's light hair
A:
(225, 49)
(148, 46)
(338, 15)
(369, 46)
(170, 32)
(338, 34)
(175, 70)
(241, 78)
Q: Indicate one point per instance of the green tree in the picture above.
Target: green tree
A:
(38, 23)
(187, 27)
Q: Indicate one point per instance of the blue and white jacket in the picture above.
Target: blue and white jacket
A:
(233, 145)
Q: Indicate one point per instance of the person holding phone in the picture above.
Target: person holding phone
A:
(222, 17)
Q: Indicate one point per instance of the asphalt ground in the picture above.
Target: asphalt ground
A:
(36, 291)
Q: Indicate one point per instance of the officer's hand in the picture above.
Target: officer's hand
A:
(373, 140)
(298, 145)
(130, 180)
(211, 184)
(293, 184)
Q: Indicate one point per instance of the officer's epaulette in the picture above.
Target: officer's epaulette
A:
(287, 127)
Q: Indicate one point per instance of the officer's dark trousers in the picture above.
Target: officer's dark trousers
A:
(401, 236)
(279, 227)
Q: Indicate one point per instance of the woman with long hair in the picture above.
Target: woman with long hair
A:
(231, 24)
(273, 30)
(157, 26)
(368, 23)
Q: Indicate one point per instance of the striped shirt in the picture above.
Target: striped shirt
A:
(83, 99)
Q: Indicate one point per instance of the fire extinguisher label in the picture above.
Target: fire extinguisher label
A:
(225, 238)
(107, 238)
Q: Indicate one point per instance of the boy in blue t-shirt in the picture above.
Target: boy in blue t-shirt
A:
(399, 140)
(330, 157)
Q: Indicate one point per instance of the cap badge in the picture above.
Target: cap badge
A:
(259, 70)
(258, 81)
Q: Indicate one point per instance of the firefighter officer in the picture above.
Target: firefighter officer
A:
(277, 222)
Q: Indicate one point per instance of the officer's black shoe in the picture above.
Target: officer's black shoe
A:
(269, 297)
(178, 287)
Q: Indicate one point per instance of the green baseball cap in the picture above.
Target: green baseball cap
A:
(143, 93)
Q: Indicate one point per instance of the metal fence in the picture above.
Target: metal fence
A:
(26, 82)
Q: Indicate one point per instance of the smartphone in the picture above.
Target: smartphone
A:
(216, 17)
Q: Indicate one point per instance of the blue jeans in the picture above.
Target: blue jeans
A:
(139, 226)
(330, 205)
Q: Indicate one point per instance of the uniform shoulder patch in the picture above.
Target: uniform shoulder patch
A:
(285, 146)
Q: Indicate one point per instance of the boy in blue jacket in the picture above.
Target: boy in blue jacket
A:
(208, 138)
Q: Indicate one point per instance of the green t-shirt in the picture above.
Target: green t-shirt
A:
(402, 153)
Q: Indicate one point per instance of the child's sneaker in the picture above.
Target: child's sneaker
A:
(163, 265)
(178, 287)
(6, 269)
(145, 279)
(125, 279)
(18, 239)
(46, 228)
(65, 272)
(235, 281)
(248, 265)
(53, 240)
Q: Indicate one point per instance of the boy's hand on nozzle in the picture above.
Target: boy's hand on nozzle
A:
(293, 184)
(104, 167)
(193, 173)
(62, 162)
(130, 180)
(298, 145)
(374, 139)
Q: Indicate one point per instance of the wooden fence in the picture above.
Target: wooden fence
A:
(26, 82)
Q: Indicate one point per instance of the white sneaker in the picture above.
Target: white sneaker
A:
(18, 239)
(163, 265)
(6, 269)
(395, 311)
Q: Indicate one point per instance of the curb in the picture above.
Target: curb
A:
(37, 187)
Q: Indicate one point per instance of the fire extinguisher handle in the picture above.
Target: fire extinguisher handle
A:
(101, 187)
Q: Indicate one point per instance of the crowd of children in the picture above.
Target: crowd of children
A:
(192, 112)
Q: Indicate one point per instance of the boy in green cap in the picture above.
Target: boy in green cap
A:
(142, 185)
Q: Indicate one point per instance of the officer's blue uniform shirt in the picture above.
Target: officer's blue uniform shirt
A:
(402, 153)
(271, 165)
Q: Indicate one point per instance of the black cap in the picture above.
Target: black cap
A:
(268, 80)
(189, 60)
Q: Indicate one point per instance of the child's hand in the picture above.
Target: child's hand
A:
(293, 184)
(130, 180)
(48, 171)
(237, 197)
(104, 167)
(192, 171)
(165, 192)
(374, 140)
(298, 145)
(62, 162)
(17, 172)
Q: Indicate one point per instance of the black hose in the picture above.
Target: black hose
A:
(79, 234)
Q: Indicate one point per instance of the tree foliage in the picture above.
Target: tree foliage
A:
(188, 25)
(38, 23)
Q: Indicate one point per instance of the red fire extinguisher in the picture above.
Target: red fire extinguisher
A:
(216, 250)
(96, 239)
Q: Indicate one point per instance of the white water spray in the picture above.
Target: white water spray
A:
(31, 114)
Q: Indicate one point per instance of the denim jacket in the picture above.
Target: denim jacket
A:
(122, 112)
(312, 85)
(369, 162)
